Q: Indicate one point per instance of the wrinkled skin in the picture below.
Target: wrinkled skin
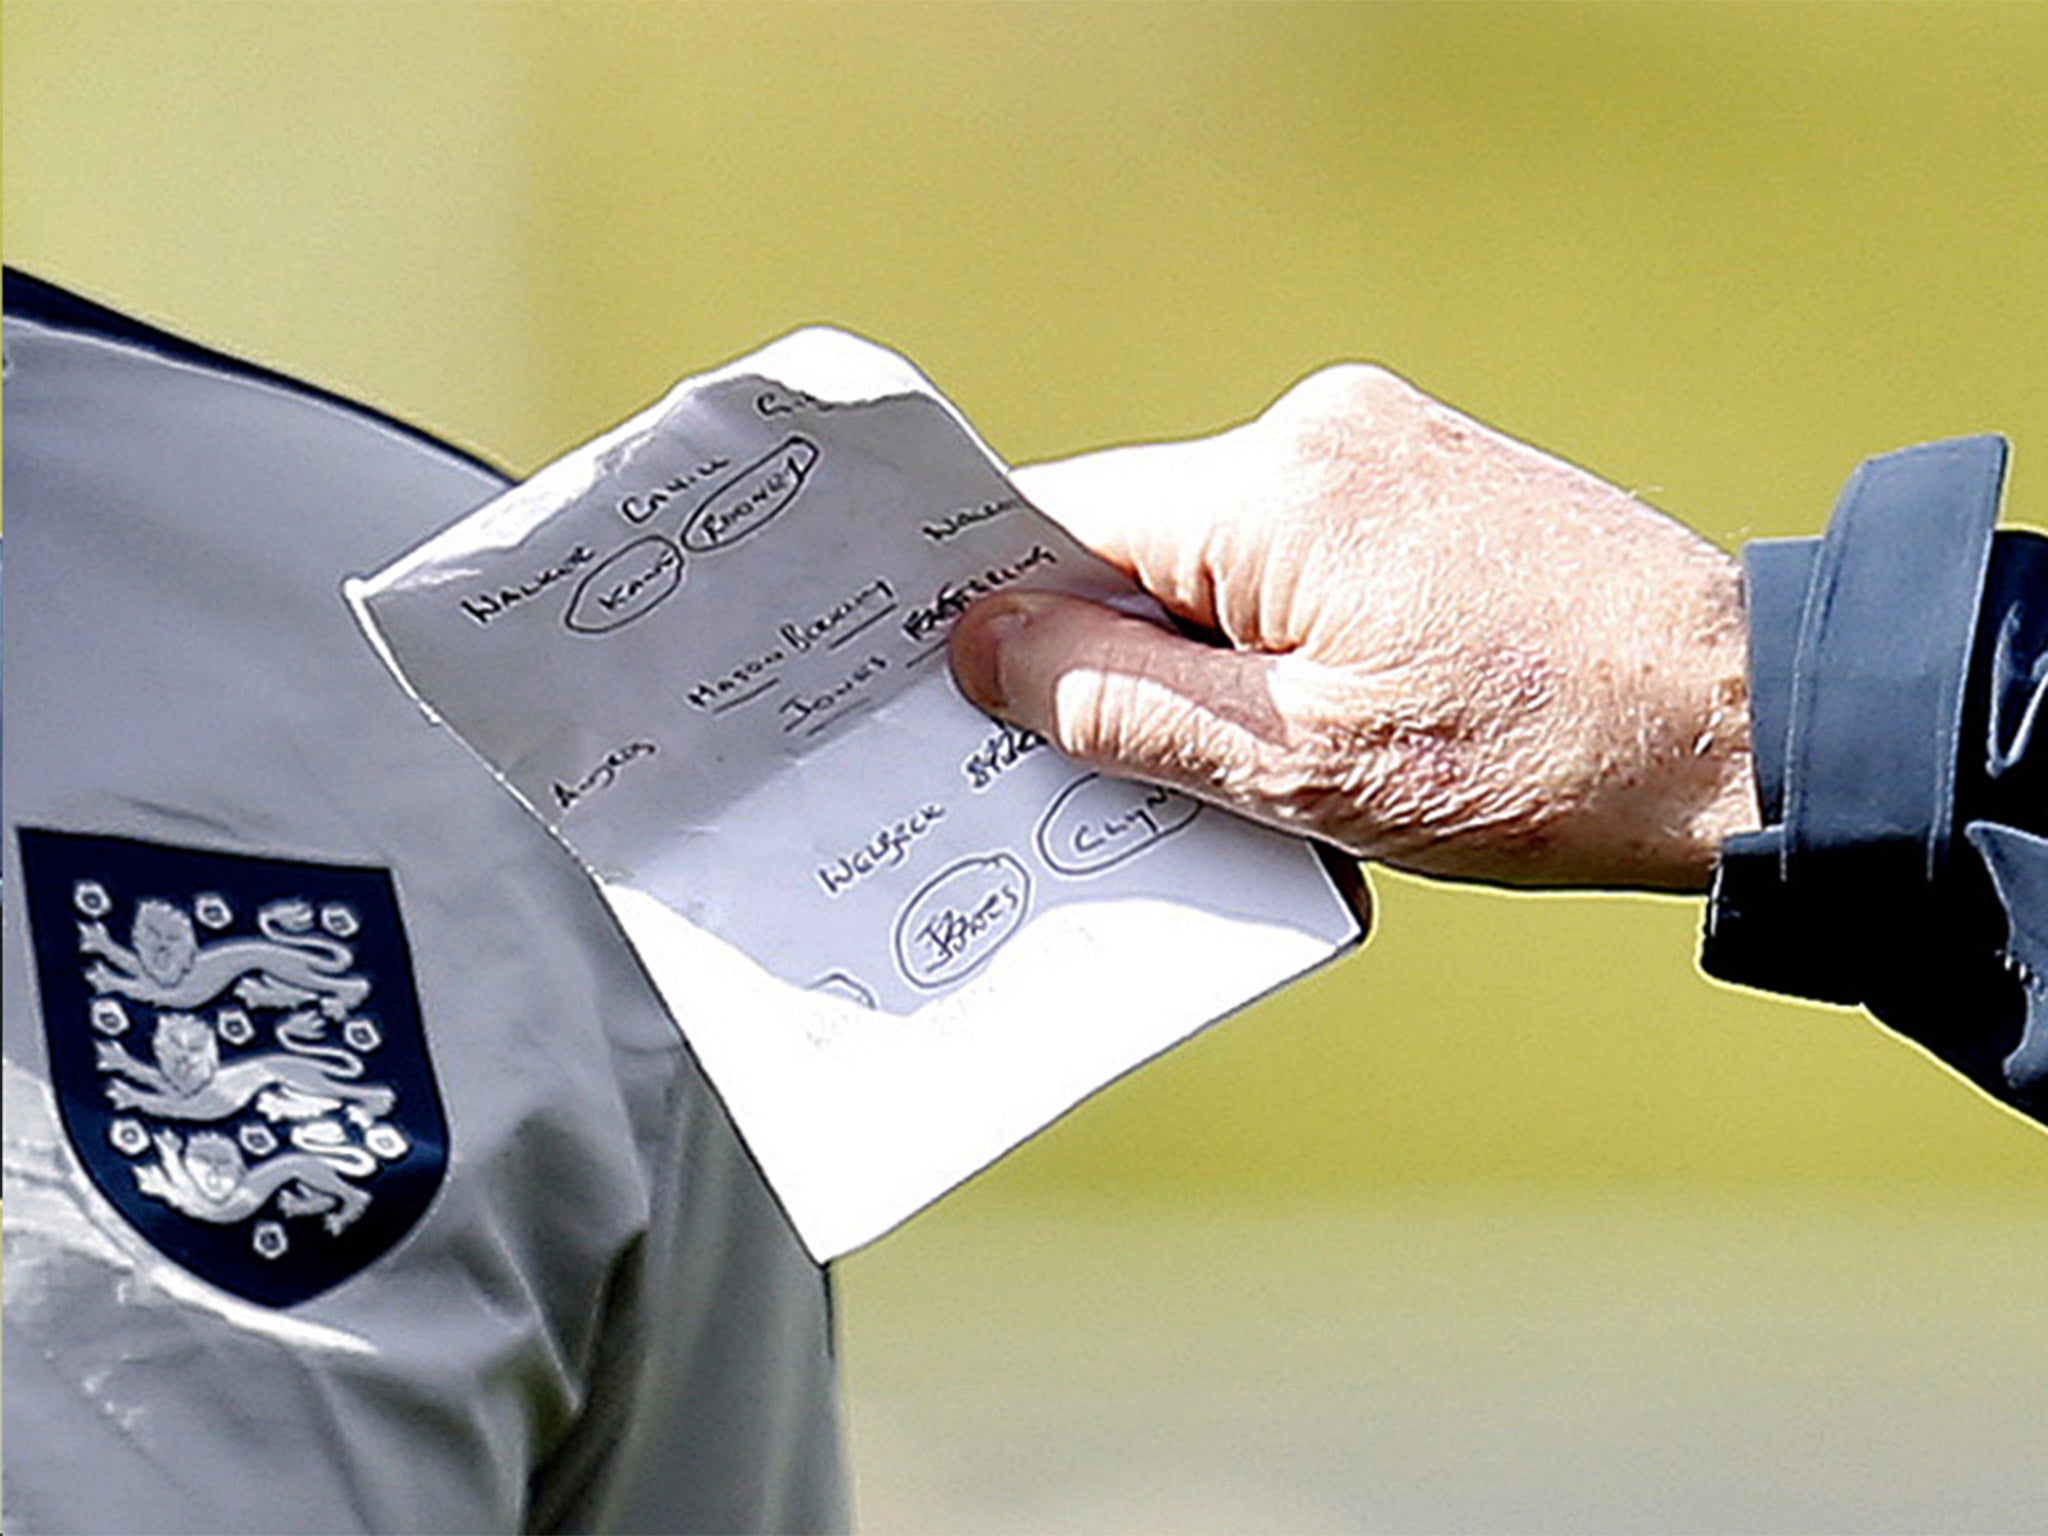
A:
(1433, 646)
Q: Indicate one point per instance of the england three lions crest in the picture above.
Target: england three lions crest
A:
(236, 1048)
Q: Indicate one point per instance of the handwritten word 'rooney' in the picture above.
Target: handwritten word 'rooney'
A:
(799, 708)
(1095, 823)
(627, 586)
(959, 918)
(604, 775)
(953, 524)
(889, 847)
(951, 600)
(752, 499)
(997, 755)
(486, 606)
(638, 508)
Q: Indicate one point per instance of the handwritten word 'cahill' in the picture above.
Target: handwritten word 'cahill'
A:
(885, 850)
(953, 524)
(800, 708)
(752, 499)
(639, 508)
(952, 599)
(861, 607)
(486, 606)
(998, 754)
(604, 775)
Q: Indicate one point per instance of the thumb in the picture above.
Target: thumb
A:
(1120, 694)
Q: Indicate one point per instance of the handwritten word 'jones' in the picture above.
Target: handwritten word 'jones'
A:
(889, 847)
(752, 499)
(486, 606)
(799, 709)
(959, 918)
(1095, 822)
(997, 755)
(953, 524)
(629, 585)
(604, 775)
(638, 508)
(951, 600)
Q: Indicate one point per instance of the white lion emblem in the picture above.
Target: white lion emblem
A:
(166, 966)
(187, 1081)
(215, 1073)
(207, 1178)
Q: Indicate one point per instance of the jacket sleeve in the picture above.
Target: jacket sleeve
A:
(1899, 703)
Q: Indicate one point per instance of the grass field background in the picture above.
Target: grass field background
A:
(1511, 1214)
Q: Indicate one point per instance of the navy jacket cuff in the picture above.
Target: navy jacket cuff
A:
(1903, 781)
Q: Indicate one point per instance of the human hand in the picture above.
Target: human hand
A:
(1435, 646)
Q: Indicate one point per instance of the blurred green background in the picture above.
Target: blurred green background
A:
(1511, 1219)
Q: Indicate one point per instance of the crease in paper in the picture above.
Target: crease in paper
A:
(707, 650)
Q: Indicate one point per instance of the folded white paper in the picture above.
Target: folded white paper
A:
(708, 651)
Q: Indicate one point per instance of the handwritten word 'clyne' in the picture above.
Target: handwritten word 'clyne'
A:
(952, 599)
(1096, 823)
(860, 607)
(885, 850)
(997, 755)
(637, 509)
(953, 524)
(798, 709)
(751, 499)
(604, 775)
(486, 606)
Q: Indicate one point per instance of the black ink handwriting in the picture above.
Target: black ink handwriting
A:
(486, 606)
(889, 847)
(604, 775)
(951, 600)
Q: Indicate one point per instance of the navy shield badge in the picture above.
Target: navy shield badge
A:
(236, 1049)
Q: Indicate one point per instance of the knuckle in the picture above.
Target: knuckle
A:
(1347, 392)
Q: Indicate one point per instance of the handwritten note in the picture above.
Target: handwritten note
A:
(707, 650)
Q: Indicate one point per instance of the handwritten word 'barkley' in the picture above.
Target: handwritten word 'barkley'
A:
(997, 755)
(861, 607)
(845, 618)
(889, 847)
(639, 508)
(798, 709)
(953, 524)
(604, 775)
(486, 606)
(951, 600)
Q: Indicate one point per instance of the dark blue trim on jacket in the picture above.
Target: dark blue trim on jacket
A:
(1896, 665)
(36, 299)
